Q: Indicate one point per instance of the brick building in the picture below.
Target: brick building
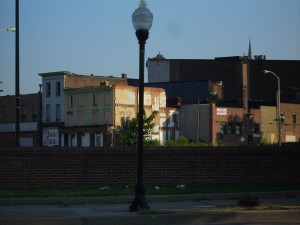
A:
(241, 114)
(30, 109)
(242, 78)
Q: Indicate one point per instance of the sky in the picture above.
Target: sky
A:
(97, 36)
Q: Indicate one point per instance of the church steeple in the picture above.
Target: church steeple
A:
(249, 50)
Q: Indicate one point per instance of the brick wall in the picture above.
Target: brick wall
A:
(69, 167)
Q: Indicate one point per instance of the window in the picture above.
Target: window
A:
(73, 140)
(107, 119)
(24, 112)
(80, 118)
(92, 139)
(48, 89)
(238, 129)
(5, 115)
(80, 100)
(223, 128)
(79, 139)
(69, 118)
(230, 129)
(57, 88)
(255, 128)
(294, 118)
(106, 98)
(48, 111)
(95, 99)
(70, 101)
(34, 112)
(95, 117)
(58, 112)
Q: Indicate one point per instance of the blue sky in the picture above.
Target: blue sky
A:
(97, 36)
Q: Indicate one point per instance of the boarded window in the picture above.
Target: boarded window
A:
(106, 98)
(80, 100)
(58, 118)
(95, 117)
(107, 117)
(80, 118)
(70, 119)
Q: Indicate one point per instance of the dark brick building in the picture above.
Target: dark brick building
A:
(241, 77)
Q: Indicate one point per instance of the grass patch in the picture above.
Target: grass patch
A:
(66, 192)
(129, 191)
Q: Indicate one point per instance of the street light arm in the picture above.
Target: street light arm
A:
(268, 71)
(274, 74)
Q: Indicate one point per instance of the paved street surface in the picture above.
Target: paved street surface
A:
(180, 210)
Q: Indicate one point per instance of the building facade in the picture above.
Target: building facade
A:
(30, 126)
(241, 76)
(87, 111)
(246, 112)
(53, 98)
(235, 126)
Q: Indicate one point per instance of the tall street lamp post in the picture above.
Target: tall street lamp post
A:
(278, 104)
(142, 21)
(17, 74)
(17, 81)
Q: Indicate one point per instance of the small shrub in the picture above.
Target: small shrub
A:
(154, 142)
(265, 142)
(249, 201)
(182, 141)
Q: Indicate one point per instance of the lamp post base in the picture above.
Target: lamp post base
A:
(139, 202)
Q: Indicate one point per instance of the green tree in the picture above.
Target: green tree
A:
(129, 130)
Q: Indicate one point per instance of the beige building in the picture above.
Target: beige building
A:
(83, 110)
(290, 127)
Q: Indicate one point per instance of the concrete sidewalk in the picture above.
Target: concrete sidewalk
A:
(189, 209)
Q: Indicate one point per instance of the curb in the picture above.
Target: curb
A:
(207, 217)
(198, 218)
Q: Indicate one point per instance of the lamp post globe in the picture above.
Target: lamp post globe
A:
(142, 18)
(142, 21)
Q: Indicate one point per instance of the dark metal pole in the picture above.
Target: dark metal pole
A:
(278, 111)
(139, 201)
(40, 116)
(17, 77)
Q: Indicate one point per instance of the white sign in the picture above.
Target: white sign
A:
(50, 137)
(221, 111)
